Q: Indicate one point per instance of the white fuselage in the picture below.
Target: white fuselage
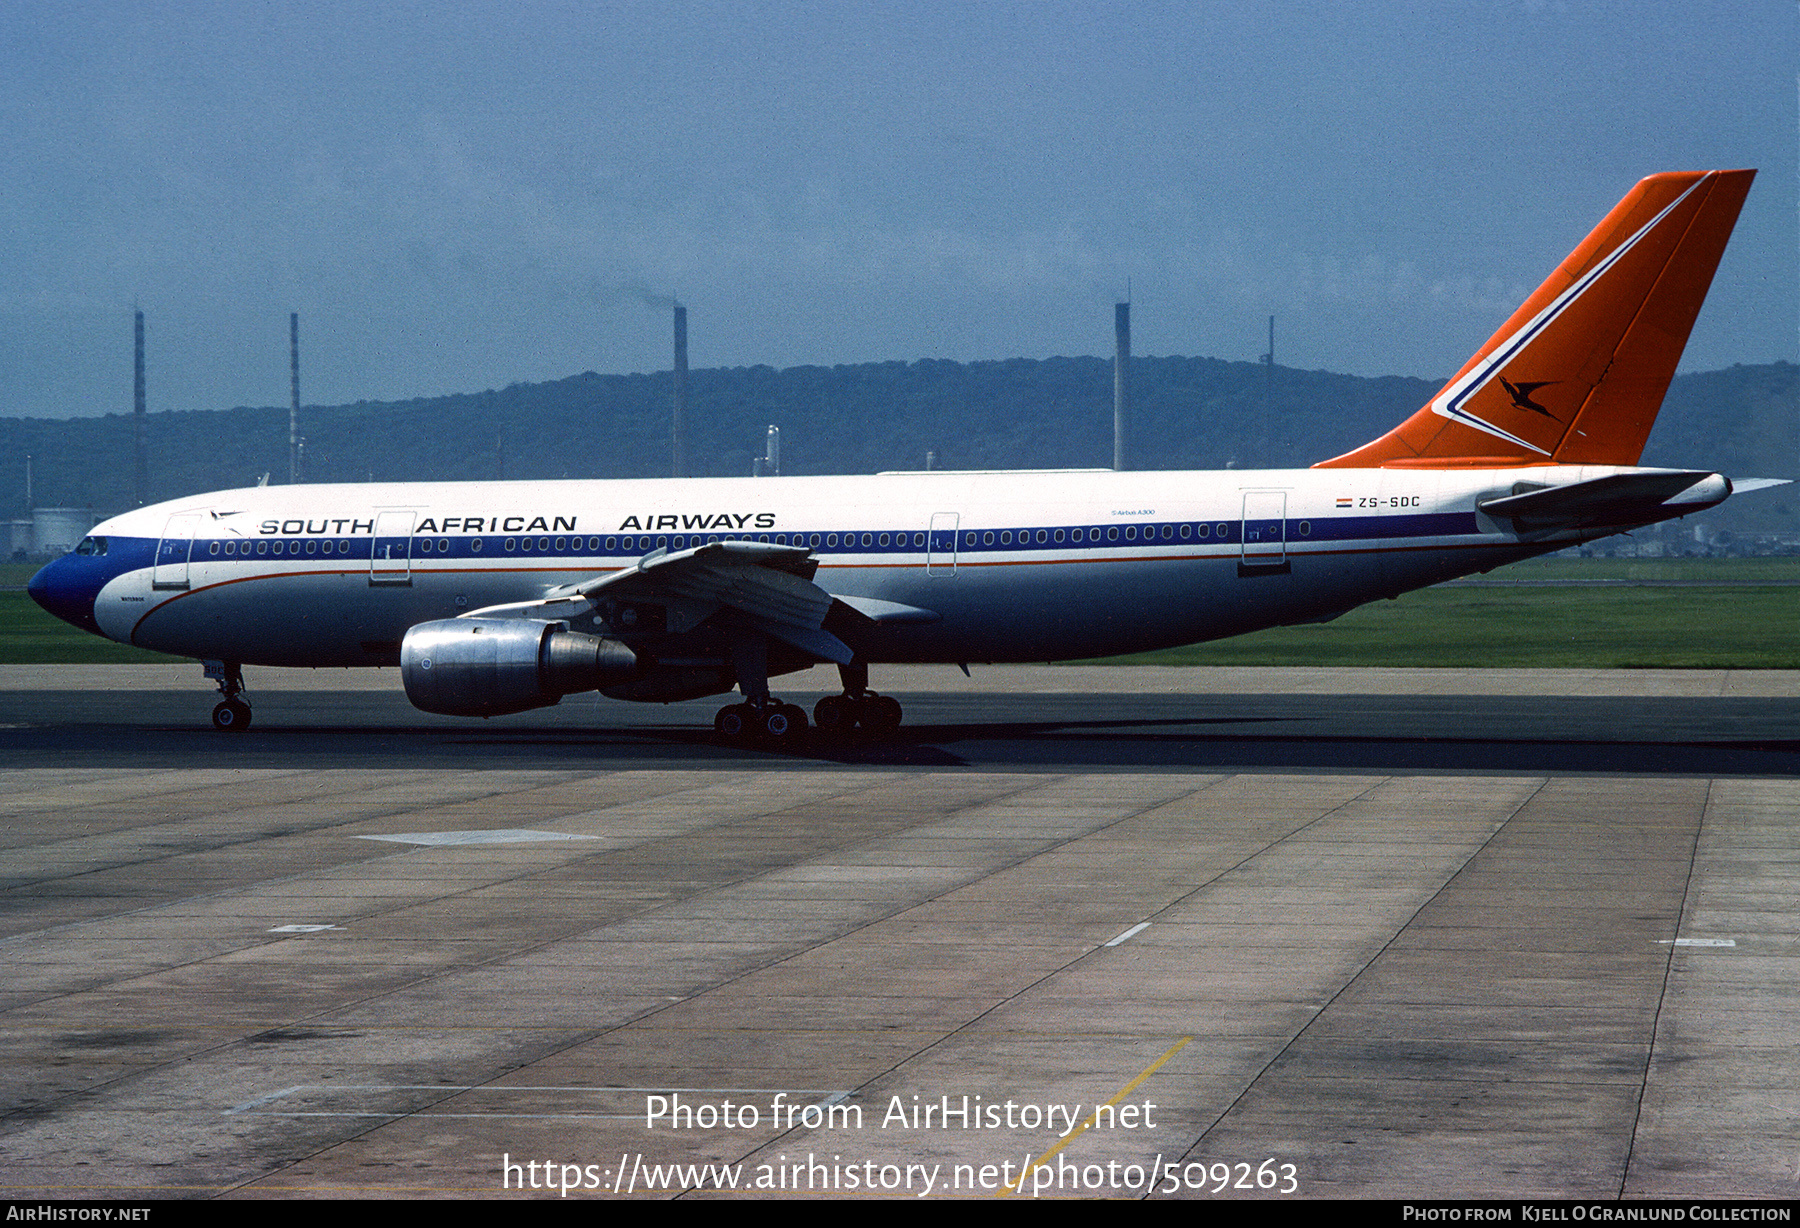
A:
(1018, 566)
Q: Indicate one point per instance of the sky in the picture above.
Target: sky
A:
(461, 196)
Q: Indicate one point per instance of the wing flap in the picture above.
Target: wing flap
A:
(766, 586)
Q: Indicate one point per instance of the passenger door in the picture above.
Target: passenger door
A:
(171, 570)
(940, 547)
(1265, 528)
(390, 562)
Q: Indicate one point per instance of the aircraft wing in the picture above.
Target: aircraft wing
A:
(768, 587)
(1618, 499)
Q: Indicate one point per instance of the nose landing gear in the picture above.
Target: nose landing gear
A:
(233, 714)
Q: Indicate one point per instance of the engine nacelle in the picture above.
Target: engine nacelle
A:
(493, 666)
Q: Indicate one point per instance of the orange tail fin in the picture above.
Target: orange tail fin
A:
(1579, 372)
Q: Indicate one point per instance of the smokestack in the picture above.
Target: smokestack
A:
(772, 453)
(1121, 380)
(294, 408)
(679, 443)
(137, 418)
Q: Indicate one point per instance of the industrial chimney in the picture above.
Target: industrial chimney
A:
(679, 444)
(137, 418)
(294, 408)
(1121, 379)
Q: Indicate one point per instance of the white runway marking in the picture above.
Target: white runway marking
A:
(1133, 932)
(498, 835)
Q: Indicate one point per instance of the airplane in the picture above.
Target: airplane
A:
(500, 597)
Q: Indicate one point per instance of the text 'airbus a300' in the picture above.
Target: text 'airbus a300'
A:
(499, 597)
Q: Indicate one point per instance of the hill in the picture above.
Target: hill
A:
(1189, 413)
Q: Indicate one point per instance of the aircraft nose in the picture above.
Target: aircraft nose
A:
(67, 591)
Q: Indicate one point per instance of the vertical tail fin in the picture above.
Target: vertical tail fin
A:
(1577, 375)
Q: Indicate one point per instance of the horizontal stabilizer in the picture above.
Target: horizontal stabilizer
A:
(1618, 499)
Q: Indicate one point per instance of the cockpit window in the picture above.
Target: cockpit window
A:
(91, 545)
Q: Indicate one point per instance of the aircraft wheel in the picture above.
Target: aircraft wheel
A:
(733, 721)
(783, 722)
(834, 714)
(884, 713)
(231, 716)
(881, 714)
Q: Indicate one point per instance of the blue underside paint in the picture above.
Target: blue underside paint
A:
(68, 586)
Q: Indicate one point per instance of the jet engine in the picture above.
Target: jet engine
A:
(493, 666)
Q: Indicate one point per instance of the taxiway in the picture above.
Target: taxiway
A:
(361, 951)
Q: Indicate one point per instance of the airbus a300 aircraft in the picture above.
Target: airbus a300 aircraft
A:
(498, 597)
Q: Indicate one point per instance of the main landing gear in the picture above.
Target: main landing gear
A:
(233, 714)
(858, 706)
(778, 722)
(760, 715)
(764, 717)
